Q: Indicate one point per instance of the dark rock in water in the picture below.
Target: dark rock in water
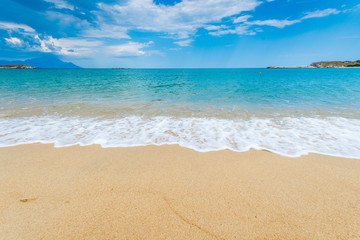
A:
(16, 66)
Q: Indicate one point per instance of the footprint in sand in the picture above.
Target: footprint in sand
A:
(27, 200)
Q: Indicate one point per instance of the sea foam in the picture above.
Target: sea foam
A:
(285, 136)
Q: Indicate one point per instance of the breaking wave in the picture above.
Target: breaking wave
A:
(286, 136)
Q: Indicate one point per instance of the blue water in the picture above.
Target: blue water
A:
(287, 111)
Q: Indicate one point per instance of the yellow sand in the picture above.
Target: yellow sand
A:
(170, 192)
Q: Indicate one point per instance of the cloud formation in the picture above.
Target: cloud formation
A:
(285, 22)
(184, 43)
(320, 13)
(29, 40)
(15, 27)
(128, 49)
(179, 21)
(109, 29)
(61, 4)
(245, 24)
(106, 31)
(65, 46)
(14, 41)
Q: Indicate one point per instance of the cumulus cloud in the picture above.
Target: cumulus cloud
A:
(33, 41)
(14, 41)
(179, 21)
(61, 4)
(65, 46)
(29, 40)
(128, 49)
(15, 26)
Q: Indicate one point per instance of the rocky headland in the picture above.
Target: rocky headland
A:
(16, 66)
(326, 64)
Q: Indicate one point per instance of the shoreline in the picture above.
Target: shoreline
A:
(159, 192)
(175, 145)
(286, 136)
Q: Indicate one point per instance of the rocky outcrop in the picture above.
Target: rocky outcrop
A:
(336, 64)
(278, 67)
(16, 66)
(330, 64)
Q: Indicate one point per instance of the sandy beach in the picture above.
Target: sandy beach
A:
(170, 192)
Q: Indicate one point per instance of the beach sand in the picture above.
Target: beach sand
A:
(169, 192)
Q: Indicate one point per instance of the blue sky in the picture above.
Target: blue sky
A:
(181, 33)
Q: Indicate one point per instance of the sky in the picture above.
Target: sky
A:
(181, 33)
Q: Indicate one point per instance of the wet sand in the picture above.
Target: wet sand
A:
(170, 192)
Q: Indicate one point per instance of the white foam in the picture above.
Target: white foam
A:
(286, 136)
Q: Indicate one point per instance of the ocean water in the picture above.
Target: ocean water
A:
(291, 112)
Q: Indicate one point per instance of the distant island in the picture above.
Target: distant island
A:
(327, 64)
(45, 61)
(16, 66)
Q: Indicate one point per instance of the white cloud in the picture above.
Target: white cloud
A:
(15, 26)
(215, 27)
(32, 41)
(274, 23)
(320, 13)
(14, 41)
(178, 21)
(242, 19)
(240, 30)
(102, 30)
(65, 46)
(106, 31)
(243, 28)
(61, 4)
(67, 20)
(352, 9)
(74, 46)
(184, 43)
(128, 49)
(283, 23)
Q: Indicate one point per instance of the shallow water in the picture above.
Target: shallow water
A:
(287, 111)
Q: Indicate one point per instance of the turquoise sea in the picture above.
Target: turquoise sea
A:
(287, 111)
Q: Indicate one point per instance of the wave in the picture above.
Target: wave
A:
(288, 136)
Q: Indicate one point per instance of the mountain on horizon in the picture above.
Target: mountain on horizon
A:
(47, 61)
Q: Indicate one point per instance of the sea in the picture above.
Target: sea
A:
(291, 112)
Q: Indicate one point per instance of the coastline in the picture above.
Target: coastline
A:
(170, 192)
